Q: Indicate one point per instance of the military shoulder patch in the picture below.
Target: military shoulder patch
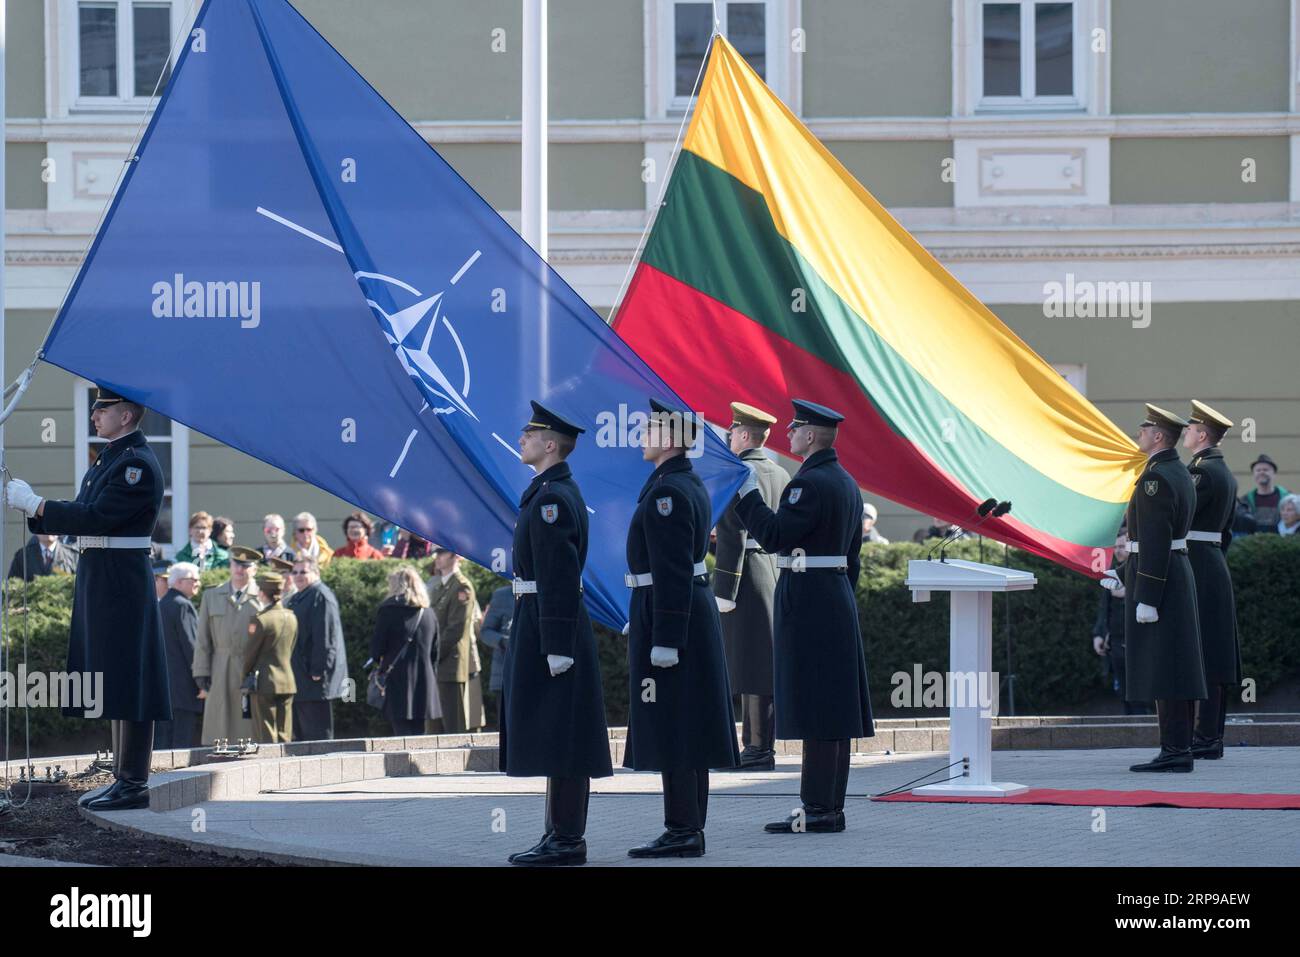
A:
(1151, 486)
(133, 473)
(550, 513)
(463, 595)
(664, 506)
(794, 495)
(1196, 478)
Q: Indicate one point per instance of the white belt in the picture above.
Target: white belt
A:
(812, 561)
(640, 581)
(521, 587)
(114, 541)
(1215, 537)
(751, 544)
(1177, 545)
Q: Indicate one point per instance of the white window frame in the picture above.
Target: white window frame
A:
(1091, 70)
(179, 442)
(784, 65)
(1075, 373)
(63, 57)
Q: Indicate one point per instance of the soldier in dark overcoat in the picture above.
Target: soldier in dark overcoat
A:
(821, 671)
(1207, 549)
(680, 720)
(744, 582)
(552, 702)
(116, 628)
(1162, 639)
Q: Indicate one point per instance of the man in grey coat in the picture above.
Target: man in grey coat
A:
(744, 583)
(320, 663)
(180, 624)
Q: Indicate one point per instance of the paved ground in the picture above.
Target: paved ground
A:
(458, 819)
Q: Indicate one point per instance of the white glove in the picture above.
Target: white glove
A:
(750, 484)
(724, 605)
(627, 628)
(19, 495)
(1099, 644)
(1111, 580)
(1146, 614)
(558, 664)
(662, 657)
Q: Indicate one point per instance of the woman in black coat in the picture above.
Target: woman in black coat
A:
(406, 632)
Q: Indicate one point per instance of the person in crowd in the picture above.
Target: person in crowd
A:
(43, 555)
(180, 624)
(406, 632)
(940, 529)
(869, 532)
(410, 545)
(1264, 500)
(268, 670)
(357, 528)
(225, 612)
(1288, 510)
(494, 631)
(273, 543)
(1108, 629)
(223, 531)
(451, 596)
(160, 583)
(201, 550)
(307, 542)
(320, 663)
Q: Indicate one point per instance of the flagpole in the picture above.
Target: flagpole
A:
(4, 226)
(533, 141)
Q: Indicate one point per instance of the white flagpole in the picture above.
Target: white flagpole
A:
(3, 225)
(533, 142)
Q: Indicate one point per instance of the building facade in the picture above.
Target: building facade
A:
(1119, 180)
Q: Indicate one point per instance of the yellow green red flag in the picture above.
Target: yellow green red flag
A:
(771, 273)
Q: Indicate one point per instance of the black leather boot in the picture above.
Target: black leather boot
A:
(752, 759)
(811, 820)
(555, 850)
(132, 789)
(115, 731)
(1175, 720)
(676, 842)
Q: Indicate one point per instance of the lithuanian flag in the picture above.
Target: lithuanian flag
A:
(771, 272)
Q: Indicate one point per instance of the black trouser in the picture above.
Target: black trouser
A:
(313, 720)
(686, 799)
(1175, 719)
(136, 743)
(566, 806)
(402, 727)
(1212, 714)
(758, 721)
(182, 731)
(825, 777)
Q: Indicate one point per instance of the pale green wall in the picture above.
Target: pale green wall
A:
(1199, 170)
(1199, 56)
(25, 58)
(433, 59)
(24, 188)
(582, 175)
(878, 58)
(899, 172)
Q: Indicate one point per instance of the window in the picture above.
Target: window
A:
(169, 441)
(1075, 373)
(116, 50)
(1029, 55)
(681, 31)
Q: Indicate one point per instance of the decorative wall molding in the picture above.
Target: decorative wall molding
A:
(997, 172)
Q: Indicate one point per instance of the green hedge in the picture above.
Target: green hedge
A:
(1056, 670)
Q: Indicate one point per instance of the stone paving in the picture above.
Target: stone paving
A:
(458, 819)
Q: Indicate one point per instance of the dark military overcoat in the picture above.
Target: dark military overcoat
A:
(1163, 658)
(554, 724)
(116, 627)
(1216, 501)
(682, 719)
(821, 670)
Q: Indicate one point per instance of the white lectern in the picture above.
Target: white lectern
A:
(970, 657)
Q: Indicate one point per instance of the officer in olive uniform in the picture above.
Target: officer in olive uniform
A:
(680, 720)
(1207, 547)
(1162, 640)
(744, 581)
(821, 671)
(451, 599)
(116, 627)
(268, 663)
(553, 709)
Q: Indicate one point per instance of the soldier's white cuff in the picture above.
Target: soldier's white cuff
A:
(725, 605)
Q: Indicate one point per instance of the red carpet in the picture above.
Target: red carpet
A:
(1099, 797)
